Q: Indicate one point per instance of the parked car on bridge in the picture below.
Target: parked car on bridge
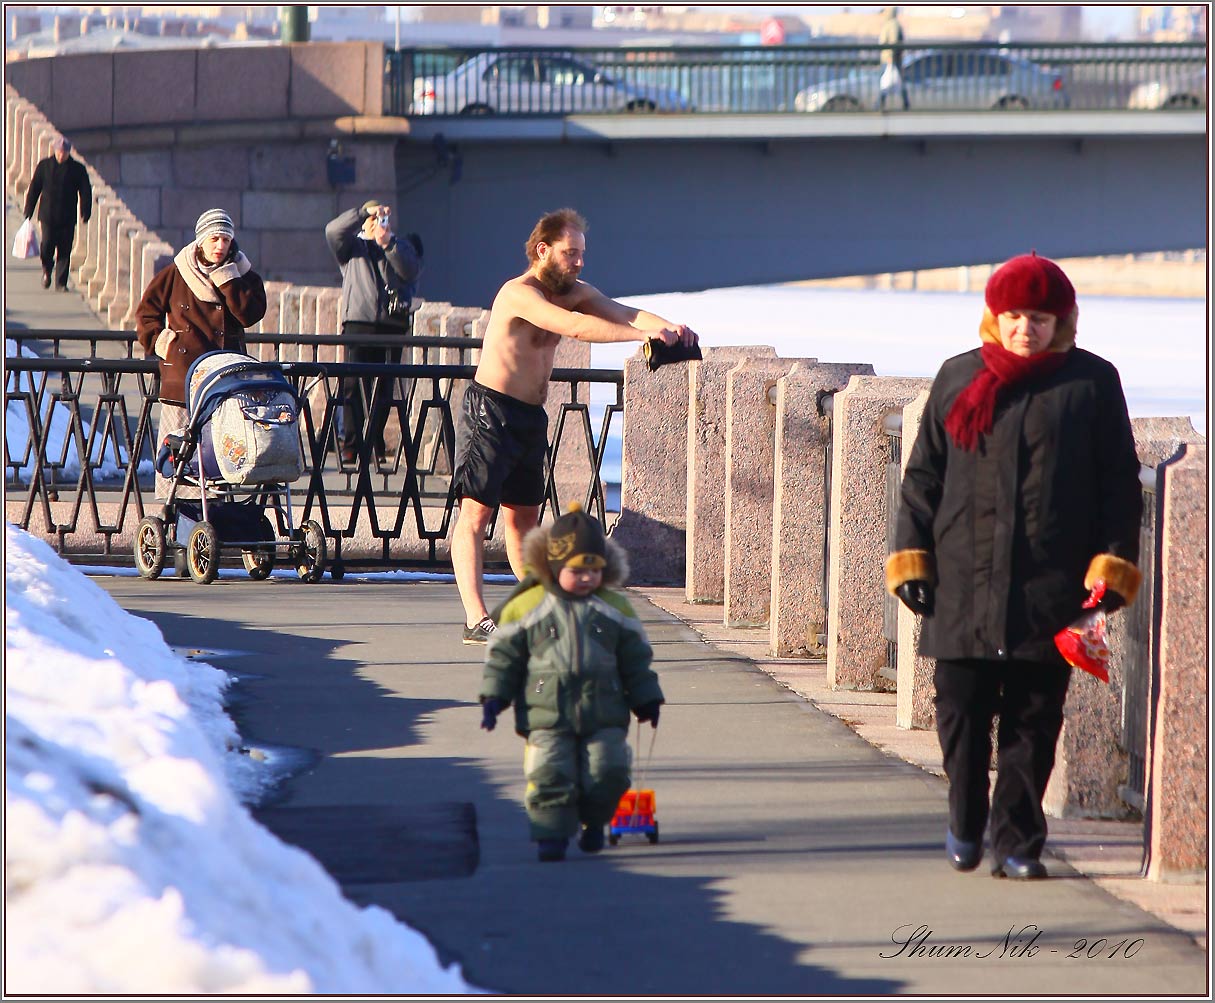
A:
(945, 79)
(1187, 90)
(535, 83)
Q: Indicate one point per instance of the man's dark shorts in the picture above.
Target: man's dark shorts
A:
(500, 449)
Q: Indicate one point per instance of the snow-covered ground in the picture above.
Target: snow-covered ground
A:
(132, 865)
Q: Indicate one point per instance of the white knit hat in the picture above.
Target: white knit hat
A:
(214, 221)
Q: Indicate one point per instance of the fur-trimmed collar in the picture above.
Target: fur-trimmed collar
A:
(535, 556)
(199, 282)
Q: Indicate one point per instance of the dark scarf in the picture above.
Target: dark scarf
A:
(974, 410)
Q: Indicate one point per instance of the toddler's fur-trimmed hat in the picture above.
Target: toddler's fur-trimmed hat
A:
(1030, 282)
(575, 540)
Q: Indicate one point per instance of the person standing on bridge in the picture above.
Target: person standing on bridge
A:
(379, 280)
(200, 302)
(502, 429)
(1021, 491)
(59, 183)
(891, 36)
(573, 658)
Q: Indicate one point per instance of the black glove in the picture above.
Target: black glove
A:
(659, 353)
(416, 241)
(1111, 602)
(917, 596)
(648, 712)
(491, 707)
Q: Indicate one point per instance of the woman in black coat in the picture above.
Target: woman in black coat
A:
(1021, 491)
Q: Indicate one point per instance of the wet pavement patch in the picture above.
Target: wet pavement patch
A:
(381, 844)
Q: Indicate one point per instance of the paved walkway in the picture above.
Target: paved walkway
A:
(795, 856)
(795, 848)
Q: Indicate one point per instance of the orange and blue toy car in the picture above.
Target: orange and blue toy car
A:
(634, 814)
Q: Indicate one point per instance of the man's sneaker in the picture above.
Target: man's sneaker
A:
(479, 633)
(592, 839)
(549, 850)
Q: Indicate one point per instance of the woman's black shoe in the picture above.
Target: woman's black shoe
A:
(963, 856)
(1020, 869)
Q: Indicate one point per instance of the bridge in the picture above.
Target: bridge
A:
(733, 191)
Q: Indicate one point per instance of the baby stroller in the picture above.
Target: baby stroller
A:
(241, 450)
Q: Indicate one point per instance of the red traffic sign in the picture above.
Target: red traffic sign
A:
(771, 32)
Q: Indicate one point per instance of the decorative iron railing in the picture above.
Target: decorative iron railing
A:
(518, 81)
(81, 436)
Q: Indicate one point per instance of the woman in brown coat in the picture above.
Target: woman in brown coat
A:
(200, 303)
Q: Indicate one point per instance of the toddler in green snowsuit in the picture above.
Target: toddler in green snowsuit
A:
(573, 658)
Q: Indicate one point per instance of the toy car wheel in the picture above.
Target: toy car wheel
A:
(310, 557)
(202, 553)
(653, 836)
(150, 547)
(260, 562)
(337, 571)
(614, 838)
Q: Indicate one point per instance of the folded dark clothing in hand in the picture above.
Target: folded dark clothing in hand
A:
(659, 353)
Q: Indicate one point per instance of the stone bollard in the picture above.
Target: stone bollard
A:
(705, 516)
(101, 286)
(856, 650)
(1090, 762)
(121, 302)
(136, 283)
(1177, 781)
(654, 472)
(25, 159)
(307, 314)
(86, 267)
(271, 323)
(800, 505)
(750, 459)
(916, 690)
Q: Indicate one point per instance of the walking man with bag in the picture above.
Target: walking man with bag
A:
(379, 278)
(59, 183)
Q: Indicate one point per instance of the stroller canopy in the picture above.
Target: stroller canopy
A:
(216, 375)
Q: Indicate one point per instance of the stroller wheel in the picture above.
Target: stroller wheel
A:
(150, 547)
(311, 553)
(259, 563)
(202, 553)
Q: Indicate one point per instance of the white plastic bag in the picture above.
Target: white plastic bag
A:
(25, 244)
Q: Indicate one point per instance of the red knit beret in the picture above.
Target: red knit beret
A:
(1028, 282)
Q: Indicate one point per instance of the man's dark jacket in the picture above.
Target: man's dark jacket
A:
(1013, 529)
(59, 185)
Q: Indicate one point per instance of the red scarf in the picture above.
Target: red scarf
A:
(974, 410)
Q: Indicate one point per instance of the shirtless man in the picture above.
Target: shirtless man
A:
(502, 430)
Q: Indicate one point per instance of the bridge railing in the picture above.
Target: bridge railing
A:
(531, 81)
(80, 438)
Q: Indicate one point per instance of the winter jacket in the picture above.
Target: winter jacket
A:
(1015, 532)
(197, 316)
(55, 189)
(367, 268)
(565, 663)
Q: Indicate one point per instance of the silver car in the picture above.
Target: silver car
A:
(943, 79)
(1185, 91)
(536, 83)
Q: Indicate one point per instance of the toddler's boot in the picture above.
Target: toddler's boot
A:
(592, 839)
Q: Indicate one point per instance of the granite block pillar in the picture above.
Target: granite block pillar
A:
(136, 282)
(120, 294)
(106, 283)
(705, 560)
(1177, 783)
(799, 515)
(654, 472)
(856, 650)
(915, 689)
(1090, 761)
(750, 461)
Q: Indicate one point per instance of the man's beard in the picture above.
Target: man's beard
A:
(554, 280)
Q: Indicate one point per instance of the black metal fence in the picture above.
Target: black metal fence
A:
(893, 427)
(783, 79)
(81, 438)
